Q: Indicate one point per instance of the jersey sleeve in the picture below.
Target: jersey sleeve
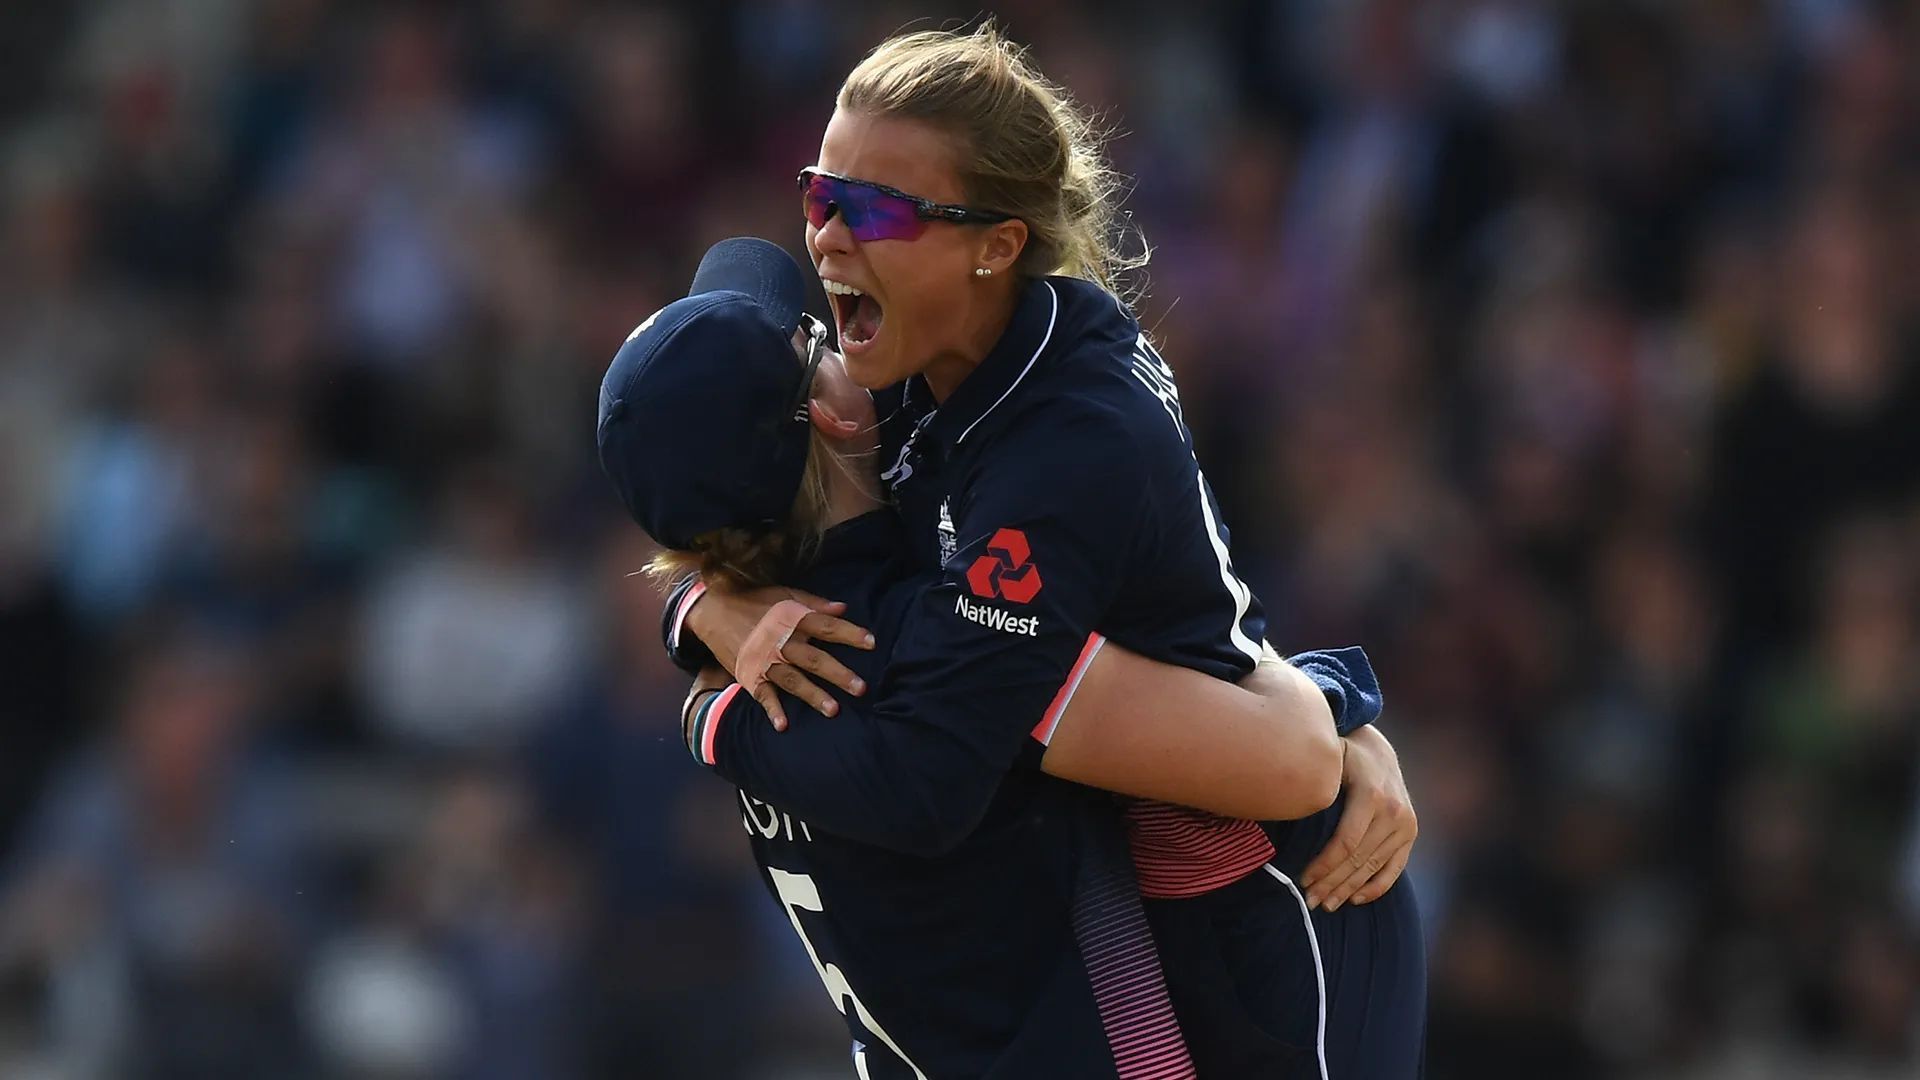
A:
(1044, 533)
(687, 652)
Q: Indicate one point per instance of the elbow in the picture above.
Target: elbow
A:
(935, 822)
(926, 836)
(1326, 766)
(935, 839)
(1322, 788)
(1311, 763)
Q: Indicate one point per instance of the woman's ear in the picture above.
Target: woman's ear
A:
(830, 423)
(1004, 243)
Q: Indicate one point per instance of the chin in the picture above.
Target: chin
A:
(871, 372)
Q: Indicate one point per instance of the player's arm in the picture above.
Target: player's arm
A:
(898, 771)
(857, 775)
(981, 652)
(1267, 748)
(1264, 749)
(701, 626)
(1253, 755)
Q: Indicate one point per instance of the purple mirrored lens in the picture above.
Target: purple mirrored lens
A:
(870, 214)
(877, 215)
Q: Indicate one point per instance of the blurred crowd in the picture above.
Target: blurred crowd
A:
(1563, 352)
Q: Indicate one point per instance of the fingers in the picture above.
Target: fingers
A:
(817, 663)
(768, 696)
(831, 607)
(795, 682)
(1377, 848)
(1336, 861)
(1381, 882)
(1389, 837)
(823, 627)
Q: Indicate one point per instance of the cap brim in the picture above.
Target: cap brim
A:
(762, 270)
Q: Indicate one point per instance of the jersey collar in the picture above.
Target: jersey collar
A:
(1006, 368)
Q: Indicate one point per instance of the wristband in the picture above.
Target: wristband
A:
(692, 708)
(704, 723)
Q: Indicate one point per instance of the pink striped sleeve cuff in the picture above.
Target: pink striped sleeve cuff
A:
(687, 600)
(1043, 731)
(706, 723)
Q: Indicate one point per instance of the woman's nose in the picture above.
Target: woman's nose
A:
(833, 237)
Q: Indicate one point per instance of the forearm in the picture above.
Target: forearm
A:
(1265, 749)
(862, 775)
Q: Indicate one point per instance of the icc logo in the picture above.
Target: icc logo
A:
(1004, 571)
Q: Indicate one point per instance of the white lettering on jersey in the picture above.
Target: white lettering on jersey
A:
(994, 618)
(1154, 374)
(772, 823)
(799, 893)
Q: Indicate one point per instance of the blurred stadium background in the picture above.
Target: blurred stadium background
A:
(1561, 351)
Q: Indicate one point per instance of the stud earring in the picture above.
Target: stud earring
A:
(981, 271)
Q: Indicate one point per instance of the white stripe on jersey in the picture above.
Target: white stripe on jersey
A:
(1169, 399)
(1242, 596)
(1048, 336)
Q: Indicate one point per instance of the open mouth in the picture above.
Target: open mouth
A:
(857, 315)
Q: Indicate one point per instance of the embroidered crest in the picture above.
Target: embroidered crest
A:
(943, 532)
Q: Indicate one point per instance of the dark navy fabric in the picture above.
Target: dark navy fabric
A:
(687, 652)
(1266, 989)
(759, 268)
(1090, 512)
(1071, 430)
(720, 360)
(966, 960)
(1346, 677)
(1054, 493)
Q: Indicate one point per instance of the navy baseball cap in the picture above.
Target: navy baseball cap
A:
(702, 412)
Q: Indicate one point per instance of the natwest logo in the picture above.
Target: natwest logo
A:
(994, 618)
(1004, 572)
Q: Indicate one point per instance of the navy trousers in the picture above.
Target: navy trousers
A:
(1264, 988)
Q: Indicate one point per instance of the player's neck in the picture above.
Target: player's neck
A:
(852, 490)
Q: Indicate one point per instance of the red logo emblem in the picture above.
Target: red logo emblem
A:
(1004, 572)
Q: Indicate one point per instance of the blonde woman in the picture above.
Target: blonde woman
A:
(958, 941)
(960, 217)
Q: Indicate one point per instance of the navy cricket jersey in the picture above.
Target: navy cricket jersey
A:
(1014, 948)
(1055, 492)
(1057, 485)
